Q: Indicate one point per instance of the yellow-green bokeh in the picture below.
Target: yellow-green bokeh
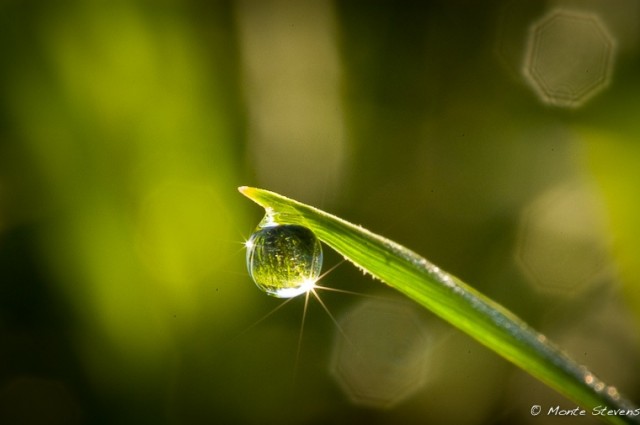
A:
(126, 127)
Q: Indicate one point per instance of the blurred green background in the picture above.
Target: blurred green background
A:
(498, 139)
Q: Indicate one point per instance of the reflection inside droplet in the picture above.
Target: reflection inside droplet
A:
(284, 260)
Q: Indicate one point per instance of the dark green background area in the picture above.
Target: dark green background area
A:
(126, 127)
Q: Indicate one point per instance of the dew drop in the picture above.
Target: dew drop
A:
(284, 260)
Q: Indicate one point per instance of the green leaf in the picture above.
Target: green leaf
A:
(454, 301)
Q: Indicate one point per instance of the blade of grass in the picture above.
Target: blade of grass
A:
(454, 301)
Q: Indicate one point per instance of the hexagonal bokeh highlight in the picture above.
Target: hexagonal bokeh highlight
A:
(569, 57)
(562, 243)
(380, 356)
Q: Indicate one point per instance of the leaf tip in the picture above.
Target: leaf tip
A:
(250, 192)
(261, 197)
(245, 190)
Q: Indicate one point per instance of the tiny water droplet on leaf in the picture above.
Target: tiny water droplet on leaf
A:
(284, 260)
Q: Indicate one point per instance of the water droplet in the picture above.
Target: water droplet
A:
(284, 260)
(613, 393)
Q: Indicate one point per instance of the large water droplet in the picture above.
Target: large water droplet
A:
(284, 260)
